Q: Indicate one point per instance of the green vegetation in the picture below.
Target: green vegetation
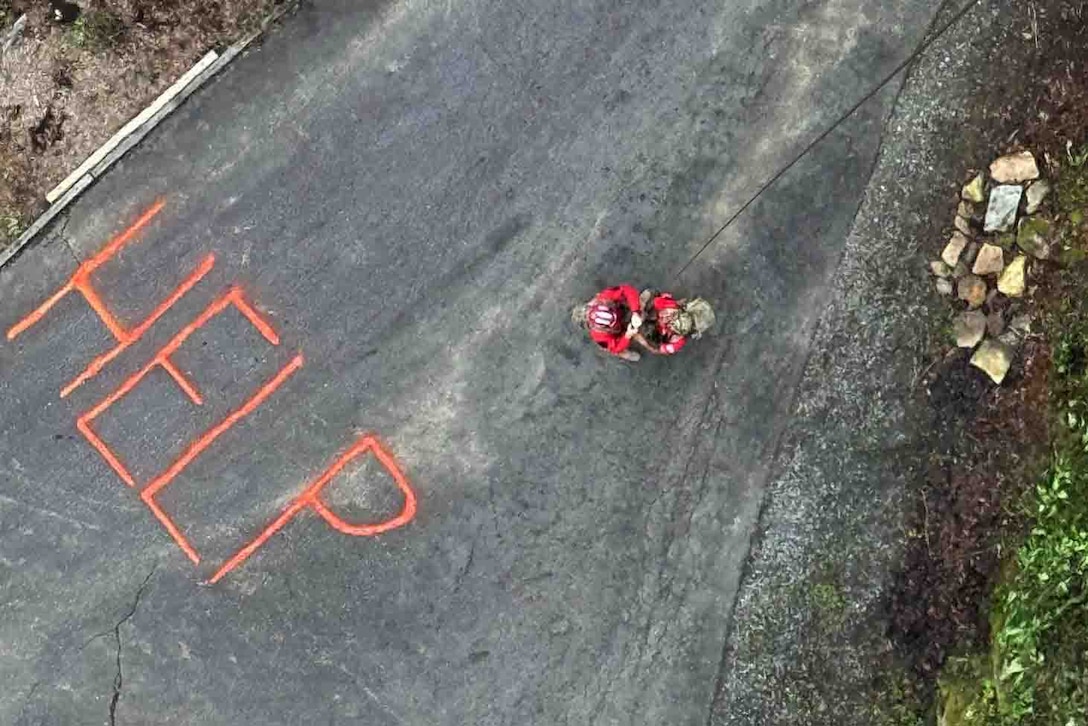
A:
(95, 30)
(1037, 669)
(827, 598)
(899, 702)
(1035, 673)
(1078, 157)
(1072, 192)
(11, 226)
(1043, 618)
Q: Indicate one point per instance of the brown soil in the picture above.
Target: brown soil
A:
(989, 444)
(969, 506)
(68, 85)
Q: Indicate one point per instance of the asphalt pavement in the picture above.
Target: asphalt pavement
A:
(403, 200)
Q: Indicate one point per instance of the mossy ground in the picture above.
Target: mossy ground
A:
(1033, 671)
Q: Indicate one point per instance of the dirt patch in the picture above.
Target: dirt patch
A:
(990, 444)
(1061, 106)
(989, 457)
(77, 72)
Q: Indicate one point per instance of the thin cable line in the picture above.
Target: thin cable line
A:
(922, 48)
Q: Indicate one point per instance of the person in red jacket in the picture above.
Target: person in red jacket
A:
(613, 318)
(670, 323)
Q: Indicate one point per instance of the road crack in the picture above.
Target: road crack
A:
(460, 579)
(118, 678)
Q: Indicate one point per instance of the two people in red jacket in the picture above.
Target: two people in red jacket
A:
(656, 321)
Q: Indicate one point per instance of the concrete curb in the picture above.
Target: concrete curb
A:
(103, 154)
(135, 131)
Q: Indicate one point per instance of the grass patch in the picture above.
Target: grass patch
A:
(1042, 613)
(11, 226)
(95, 30)
(827, 598)
(1035, 672)
(899, 701)
(1072, 193)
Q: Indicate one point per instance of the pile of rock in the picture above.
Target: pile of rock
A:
(986, 262)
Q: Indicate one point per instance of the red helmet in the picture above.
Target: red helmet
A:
(604, 317)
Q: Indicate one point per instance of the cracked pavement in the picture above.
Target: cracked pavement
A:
(413, 193)
(119, 679)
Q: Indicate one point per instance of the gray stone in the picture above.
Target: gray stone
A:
(1001, 214)
(1010, 339)
(961, 269)
(1019, 329)
(963, 225)
(994, 358)
(1014, 168)
(560, 627)
(944, 287)
(970, 254)
(972, 290)
(954, 248)
(1021, 324)
(1033, 237)
(969, 328)
(1035, 195)
(990, 260)
(1011, 281)
(974, 191)
(940, 268)
(995, 323)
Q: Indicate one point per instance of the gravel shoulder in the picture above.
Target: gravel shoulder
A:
(814, 638)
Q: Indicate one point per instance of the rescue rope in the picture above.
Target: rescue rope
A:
(927, 41)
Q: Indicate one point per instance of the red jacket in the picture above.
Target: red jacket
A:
(626, 297)
(670, 341)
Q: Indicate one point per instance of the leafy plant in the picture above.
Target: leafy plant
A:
(1041, 626)
(898, 703)
(96, 30)
(827, 598)
(1072, 191)
(1035, 671)
(1076, 158)
(11, 226)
